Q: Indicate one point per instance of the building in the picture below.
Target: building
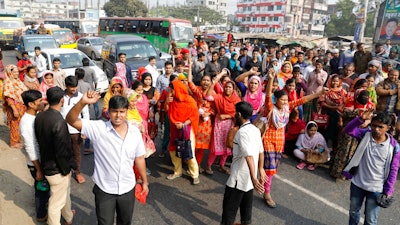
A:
(292, 17)
(53, 9)
(217, 5)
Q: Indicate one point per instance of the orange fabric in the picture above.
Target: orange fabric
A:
(286, 76)
(183, 106)
(226, 104)
(13, 87)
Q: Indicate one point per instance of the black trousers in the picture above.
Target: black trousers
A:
(233, 199)
(109, 204)
(41, 197)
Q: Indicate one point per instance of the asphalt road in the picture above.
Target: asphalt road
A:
(302, 197)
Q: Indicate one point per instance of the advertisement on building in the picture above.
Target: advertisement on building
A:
(390, 28)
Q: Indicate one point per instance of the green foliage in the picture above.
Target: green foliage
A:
(346, 24)
(121, 8)
(207, 15)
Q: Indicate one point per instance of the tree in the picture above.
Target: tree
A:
(206, 14)
(345, 25)
(123, 8)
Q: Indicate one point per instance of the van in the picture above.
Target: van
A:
(137, 50)
(64, 37)
(10, 29)
(29, 42)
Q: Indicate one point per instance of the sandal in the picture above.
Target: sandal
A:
(79, 178)
(311, 167)
(223, 169)
(268, 200)
(201, 170)
(301, 165)
(173, 176)
(209, 171)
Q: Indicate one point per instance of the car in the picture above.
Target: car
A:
(29, 42)
(137, 50)
(91, 46)
(72, 59)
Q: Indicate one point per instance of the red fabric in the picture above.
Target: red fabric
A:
(226, 104)
(183, 106)
(21, 63)
(294, 129)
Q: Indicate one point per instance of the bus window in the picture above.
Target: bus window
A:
(164, 32)
(121, 25)
(143, 26)
(110, 25)
(103, 25)
(135, 26)
(155, 27)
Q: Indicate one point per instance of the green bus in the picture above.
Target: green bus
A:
(159, 31)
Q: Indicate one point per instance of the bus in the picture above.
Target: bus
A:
(11, 27)
(80, 28)
(159, 31)
(64, 37)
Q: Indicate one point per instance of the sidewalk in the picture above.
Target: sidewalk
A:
(16, 193)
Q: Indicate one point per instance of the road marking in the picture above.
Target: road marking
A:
(319, 198)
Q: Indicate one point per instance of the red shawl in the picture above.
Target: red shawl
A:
(226, 104)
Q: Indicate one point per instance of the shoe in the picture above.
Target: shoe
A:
(223, 169)
(73, 216)
(196, 181)
(173, 176)
(311, 167)
(88, 151)
(43, 219)
(209, 171)
(268, 200)
(79, 178)
(301, 165)
(161, 155)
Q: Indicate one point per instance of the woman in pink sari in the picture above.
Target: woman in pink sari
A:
(142, 104)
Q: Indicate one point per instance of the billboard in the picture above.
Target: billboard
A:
(390, 28)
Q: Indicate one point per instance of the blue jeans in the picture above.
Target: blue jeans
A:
(357, 196)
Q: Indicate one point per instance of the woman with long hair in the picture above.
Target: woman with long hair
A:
(225, 112)
(274, 136)
(13, 104)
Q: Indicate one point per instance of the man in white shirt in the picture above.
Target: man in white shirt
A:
(71, 98)
(152, 69)
(248, 157)
(40, 63)
(118, 146)
(33, 102)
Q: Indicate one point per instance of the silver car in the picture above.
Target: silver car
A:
(72, 59)
(91, 46)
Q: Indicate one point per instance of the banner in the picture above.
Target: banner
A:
(357, 32)
(390, 28)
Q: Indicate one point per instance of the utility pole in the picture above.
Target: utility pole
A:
(363, 25)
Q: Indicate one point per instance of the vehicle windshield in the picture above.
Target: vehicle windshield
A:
(45, 43)
(97, 41)
(90, 28)
(136, 49)
(71, 60)
(182, 32)
(11, 24)
(64, 36)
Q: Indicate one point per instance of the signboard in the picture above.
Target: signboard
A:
(390, 28)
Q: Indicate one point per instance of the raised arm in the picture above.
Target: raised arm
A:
(72, 118)
(241, 77)
(215, 80)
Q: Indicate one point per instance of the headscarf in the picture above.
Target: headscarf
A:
(13, 87)
(44, 86)
(121, 73)
(335, 96)
(183, 106)
(109, 94)
(310, 142)
(226, 104)
(288, 75)
(232, 62)
(256, 99)
(133, 114)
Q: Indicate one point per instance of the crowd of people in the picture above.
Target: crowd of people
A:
(205, 92)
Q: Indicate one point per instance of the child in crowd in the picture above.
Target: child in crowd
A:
(371, 88)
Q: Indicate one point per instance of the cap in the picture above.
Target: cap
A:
(335, 50)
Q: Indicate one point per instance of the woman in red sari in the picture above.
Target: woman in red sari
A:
(331, 102)
(182, 113)
(13, 104)
(207, 113)
(225, 112)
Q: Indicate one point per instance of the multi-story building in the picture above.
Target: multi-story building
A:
(217, 5)
(50, 9)
(292, 17)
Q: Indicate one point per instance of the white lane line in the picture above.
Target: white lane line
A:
(319, 198)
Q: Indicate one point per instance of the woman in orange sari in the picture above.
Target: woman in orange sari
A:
(116, 87)
(225, 112)
(183, 114)
(286, 72)
(13, 104)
